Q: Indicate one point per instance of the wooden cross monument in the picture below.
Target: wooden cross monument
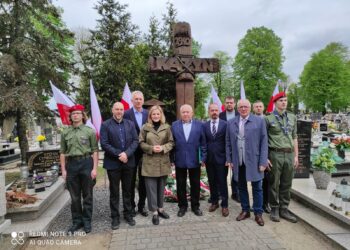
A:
(183, 64)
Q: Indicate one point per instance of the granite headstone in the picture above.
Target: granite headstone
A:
(304, 144)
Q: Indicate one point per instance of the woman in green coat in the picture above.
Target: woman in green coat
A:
(156, 141)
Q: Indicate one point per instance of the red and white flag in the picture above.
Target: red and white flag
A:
(63, 104)
(216, 99)
(271, 105)
(95, 111)
(126, 98)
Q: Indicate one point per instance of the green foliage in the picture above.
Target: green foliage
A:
(258, 63)
(293, 97)
(325, 79)
(324, 160)
(109, 56)
(35, 47)
(223, 80)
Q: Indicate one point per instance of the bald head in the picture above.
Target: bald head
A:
(118, 110)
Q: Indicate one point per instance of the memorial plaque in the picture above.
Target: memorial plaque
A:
(42, 160)
(304, 144)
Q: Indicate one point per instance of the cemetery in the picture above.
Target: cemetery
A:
(60, 70)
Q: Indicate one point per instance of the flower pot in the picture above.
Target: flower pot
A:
(321, 179)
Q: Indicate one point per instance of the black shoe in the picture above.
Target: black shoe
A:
(133, 212)
(266, 208)
(181, 212)
(285, 214)
(163, 214)
(143, 212)
(197, 212)
(274, 216)
(75, 227)
(115, 223)
(209, 200)
(87, 227)
(130, 221)
(155, 219)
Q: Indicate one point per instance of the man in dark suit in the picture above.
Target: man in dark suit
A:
(187, 156)
(227, 115)
(119, 140)
(215, 132)
(246, 152)
(138, 115)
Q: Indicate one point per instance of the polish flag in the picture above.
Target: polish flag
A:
(216, 99)
(126, 99)
(95, 111)
(271, 105)
(242, 91)
(63, 104)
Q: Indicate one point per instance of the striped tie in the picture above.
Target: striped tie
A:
(214, 129)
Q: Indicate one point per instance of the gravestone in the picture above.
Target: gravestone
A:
(183, 64)
(3, 223)
(42, 160)
(323, 127)
(304, 145)
(7, 153)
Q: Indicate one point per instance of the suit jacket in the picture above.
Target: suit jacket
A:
(216, 154)
(111, 143)
(130, 115)
(188, 154)
(222, 115)
(256, 147)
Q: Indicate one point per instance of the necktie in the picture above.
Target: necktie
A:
(241, 127)
(214, 128)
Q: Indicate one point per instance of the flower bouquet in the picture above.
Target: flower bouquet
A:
(41, 139)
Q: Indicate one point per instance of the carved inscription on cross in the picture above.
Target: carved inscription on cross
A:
(183, 64)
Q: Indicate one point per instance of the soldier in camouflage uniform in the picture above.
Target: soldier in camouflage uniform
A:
(79, 160)
(283, 157)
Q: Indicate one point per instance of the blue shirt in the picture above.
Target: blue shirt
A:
(187, 128)
(138, 116)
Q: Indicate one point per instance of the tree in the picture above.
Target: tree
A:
(258, 63)
(109, 56)
(34, 48)
(293, 97)
(223, 80)
(325, 79)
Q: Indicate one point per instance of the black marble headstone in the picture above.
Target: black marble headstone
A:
(42, 160)
(323, 127)
(304, 144)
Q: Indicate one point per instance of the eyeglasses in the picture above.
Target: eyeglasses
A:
(76, 113)
(243, 107)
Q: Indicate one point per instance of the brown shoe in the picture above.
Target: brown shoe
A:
(259, 219)
(225, 212)
(213, 207)
(243, 215)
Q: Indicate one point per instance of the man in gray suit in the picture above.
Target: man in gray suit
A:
(246, 153)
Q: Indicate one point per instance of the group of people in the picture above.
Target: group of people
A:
(140, 147)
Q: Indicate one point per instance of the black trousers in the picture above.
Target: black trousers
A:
(217, 177)
(80, 186)
(141, 183)
(181, 181)
(265, 187)
(123, 174)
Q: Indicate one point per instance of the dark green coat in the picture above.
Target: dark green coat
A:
(156, 164)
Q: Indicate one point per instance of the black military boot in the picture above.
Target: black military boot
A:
(274, 216)
(285, 214)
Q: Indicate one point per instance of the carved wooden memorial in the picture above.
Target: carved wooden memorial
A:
(183, 64)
